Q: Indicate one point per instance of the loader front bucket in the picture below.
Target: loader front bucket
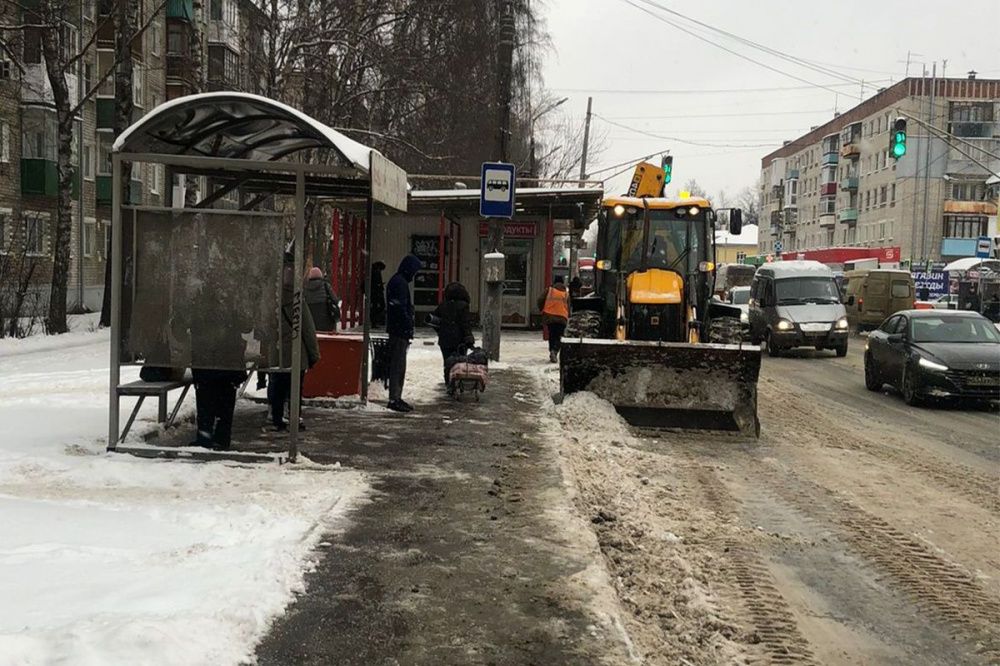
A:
(666, 384)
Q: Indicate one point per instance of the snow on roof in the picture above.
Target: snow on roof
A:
(968, 263)
(257, 128)
(797, 268)
(748, 236)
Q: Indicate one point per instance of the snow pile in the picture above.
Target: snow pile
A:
(586, 413)
(109, 559)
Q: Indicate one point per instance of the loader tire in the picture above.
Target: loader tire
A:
(725, 331)
(586, 324)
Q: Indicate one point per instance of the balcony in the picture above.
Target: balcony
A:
(850, 184)
(41, 178)
(848, 215)
(222, 32)
(850, 150)
(793, 174)
(180, 9)
(828, 189)
(104, 187)
(970, 207)
(827, 220)
(830, 158)
(105, 113)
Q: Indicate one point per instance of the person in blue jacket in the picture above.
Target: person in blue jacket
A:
(399, 326)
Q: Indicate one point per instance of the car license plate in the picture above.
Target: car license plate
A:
(815, 328)
(983, 381)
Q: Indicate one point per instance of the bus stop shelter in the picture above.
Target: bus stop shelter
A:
(215, 281)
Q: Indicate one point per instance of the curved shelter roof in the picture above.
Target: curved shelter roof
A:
(238, 126)
(968, 263)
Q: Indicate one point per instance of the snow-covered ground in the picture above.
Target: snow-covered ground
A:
(108, 559)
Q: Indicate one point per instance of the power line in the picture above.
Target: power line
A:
(679, 140)
(766, 49)
(703, 91)
(725, 48)
(720, 115)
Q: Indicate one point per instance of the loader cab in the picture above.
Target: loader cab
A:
(655, 266)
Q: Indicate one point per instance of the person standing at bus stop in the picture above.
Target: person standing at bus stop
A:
(399, 326)
(554, 304)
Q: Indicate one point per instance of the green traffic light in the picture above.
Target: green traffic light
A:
(898, 150)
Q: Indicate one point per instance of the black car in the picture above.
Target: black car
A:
(935, 354)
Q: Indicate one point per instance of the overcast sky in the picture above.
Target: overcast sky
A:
(600, 46)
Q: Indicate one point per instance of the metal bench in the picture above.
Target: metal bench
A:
(160, 390)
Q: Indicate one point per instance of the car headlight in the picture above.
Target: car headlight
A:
(841, 324)
(931, 365)
(744, 317)
(784, 325)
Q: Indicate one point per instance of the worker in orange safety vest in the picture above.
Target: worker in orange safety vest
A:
(554, 304)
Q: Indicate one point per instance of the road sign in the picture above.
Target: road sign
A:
(983, 247)
(496, 190)
(778, 246)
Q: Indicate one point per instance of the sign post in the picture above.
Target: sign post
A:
(983, 247)
(496, 200)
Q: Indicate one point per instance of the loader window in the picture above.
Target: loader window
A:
(667, 241)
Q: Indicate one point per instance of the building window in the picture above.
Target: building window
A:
(892, 200)
(138, 85)
(881, 196)
(89, 237)
(106, 63)
(4, 142)
(971, 119)
(88, 161)
(32, 48)
(105, 140)
(177, 39)
(38, 133)
(967, 191)
(4, 229)
(223, 66)
(868, 199)
(88, 10)
(154, 41)
(34, 233)
(881, 230)
(965, 226)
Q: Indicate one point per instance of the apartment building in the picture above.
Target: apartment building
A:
(232, 34)
(838, 186)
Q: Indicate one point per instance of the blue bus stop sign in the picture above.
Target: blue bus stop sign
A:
(983, 247)
(496, 190)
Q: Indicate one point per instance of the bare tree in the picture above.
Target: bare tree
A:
(749, 200)
(695, 189)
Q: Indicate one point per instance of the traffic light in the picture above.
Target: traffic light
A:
(897, 141)
(668, 168)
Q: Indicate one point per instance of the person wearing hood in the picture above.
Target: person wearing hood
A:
(554, 304)
(399, 326)
(454, 327)
(322, 302)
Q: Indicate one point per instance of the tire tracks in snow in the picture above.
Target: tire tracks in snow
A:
(773, 621)
(935, 585)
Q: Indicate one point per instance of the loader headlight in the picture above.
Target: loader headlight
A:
(784, 325)
(706, 266)
(744, 317)
(619, 210)
(604, 265)
(693, 210)
(841, 324)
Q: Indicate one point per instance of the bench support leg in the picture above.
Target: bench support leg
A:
(177, 407)
(131, 418)
(161, 411)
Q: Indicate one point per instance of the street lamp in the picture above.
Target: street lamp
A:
(547, 109)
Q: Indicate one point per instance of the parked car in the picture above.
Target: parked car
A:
(935, 354)
(740, 297)
(872, 295)
(797, 304)
(946, 302)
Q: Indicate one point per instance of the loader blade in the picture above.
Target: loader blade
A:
(668, 385)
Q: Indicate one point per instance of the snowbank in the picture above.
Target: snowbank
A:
(109, 559)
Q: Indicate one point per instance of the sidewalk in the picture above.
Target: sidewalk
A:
(466, 553)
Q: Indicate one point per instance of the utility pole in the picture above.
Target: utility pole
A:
(927, 164)
(492, 307)
(574, 251)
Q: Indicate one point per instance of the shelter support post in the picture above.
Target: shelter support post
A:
(116, 300)
(335, 258)
(549, 248)
(367, 306)
(441, 257)
(355, 244)
(300, 224)
(493, 276)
